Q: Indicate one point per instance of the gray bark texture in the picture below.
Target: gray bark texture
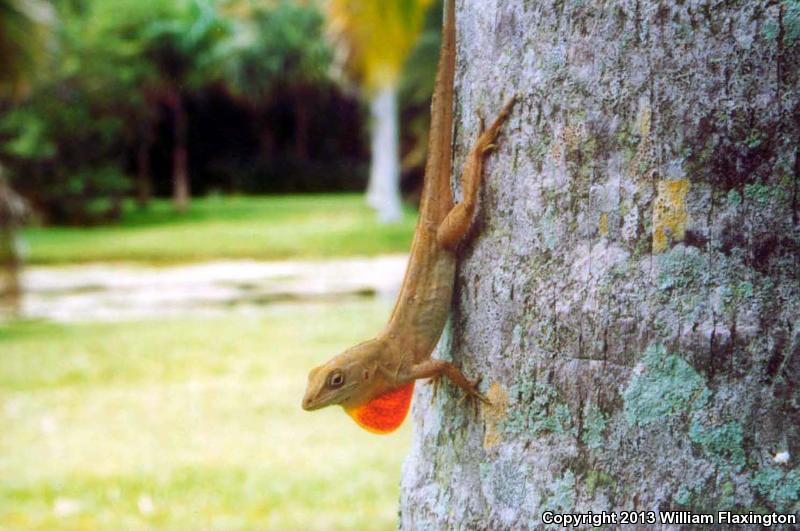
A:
(631, 293)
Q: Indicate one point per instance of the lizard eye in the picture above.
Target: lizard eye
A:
(335, 379)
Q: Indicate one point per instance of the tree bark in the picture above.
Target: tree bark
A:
(631, 296)
(180, 165)
(383, 189)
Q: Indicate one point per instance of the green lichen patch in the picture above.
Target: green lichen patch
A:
(735, 294)
(680, 269)
(791, 24)
(683, 496)
(727, 495)
(517, 336)
(596, 479)
(547, 229)
(763, 195)
(561, 494)
(734, 198)
(791, 21)
(681, 280)
(594, 424)
(536, 409)
(506, 482)
(781, 489)
(707, 496)
(668, 386)
(723, 443)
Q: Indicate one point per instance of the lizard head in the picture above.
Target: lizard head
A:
(344, 379)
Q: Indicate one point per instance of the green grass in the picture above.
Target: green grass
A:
(188, 424)
(276, 227)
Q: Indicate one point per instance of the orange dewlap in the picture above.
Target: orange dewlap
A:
(384, 414)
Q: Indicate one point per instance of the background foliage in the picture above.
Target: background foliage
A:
(262, 115)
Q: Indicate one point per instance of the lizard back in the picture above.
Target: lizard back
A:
(424, 300)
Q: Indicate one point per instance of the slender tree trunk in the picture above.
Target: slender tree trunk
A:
(301, 119)
(180, 167)
(11, 288)
(383, 190)
(144, 183)
(12, 211)
(266, 142)
(631, 298)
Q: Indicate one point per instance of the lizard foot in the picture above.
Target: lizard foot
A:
(435, 369)
(488, 137)
(473, 394)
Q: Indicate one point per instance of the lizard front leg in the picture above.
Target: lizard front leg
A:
(436, 368)
(458, 220)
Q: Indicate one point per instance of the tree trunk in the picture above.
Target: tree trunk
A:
(11, 286)
(144, 186)
(266, 142)
(180, 167)
(301, 123)
(383, 190)
(12, 213)
(632, 294)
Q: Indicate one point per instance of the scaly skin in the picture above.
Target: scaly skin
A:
(401, 353)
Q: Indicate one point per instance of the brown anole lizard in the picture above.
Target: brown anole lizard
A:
(374, 381)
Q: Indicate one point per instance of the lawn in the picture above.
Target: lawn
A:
(268, 228)
(188, 424)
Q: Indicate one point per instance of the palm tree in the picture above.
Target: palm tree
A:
(373, 41)
(184, 50)
(23, 28)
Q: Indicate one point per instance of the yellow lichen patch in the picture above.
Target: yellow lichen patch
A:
(567, 140)
(572, 137)
(603, 226)
(557, 147)
(669, 214)
(645, 117)
(641, 166)
(494, 414)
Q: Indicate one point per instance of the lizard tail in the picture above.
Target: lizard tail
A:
(440, 140)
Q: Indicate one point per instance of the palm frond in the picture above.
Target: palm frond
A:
(373, 38)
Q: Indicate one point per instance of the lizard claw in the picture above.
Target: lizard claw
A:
(473, 393)
(489, 136)
(435, 383)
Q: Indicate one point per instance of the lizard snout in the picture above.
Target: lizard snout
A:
(306, 404)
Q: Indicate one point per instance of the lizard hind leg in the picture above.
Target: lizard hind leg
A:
(455, 225)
